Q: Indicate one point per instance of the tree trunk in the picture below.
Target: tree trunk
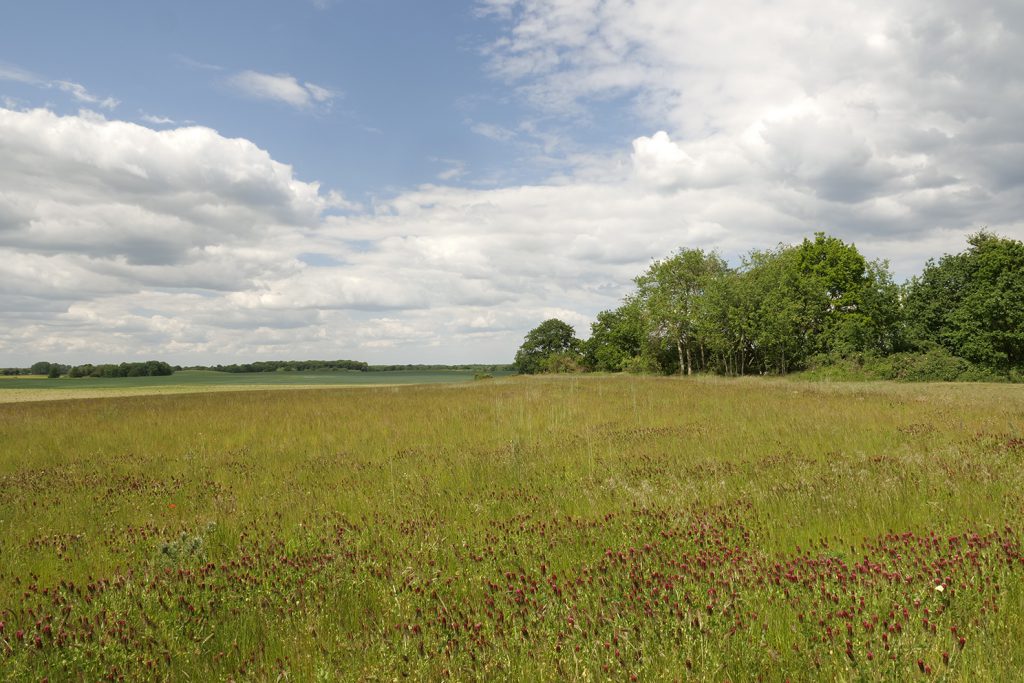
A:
(689, 362)
(679, 349)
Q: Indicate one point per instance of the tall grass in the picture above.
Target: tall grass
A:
(542, 528)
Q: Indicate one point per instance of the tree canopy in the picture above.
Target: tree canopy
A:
(552, 346)
(972, 303)
(799, 306)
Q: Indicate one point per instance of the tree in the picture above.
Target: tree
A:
(669, 294)
(819, 297)
(780, 318)
(616, 338)
(972, 303)
(546, 346)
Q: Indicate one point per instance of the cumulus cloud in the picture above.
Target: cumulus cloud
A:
(94, 211)
(875, 119)
(102, 188)
(282, 88)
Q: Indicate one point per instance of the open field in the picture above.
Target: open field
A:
(37, 388)
(582, 528)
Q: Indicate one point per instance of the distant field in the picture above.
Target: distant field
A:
(530, 528)
(37, 388)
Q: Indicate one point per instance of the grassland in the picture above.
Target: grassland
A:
(581, 528)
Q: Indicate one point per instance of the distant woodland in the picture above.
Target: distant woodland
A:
(159, 368)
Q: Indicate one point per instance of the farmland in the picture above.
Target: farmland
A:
(541, 528)
(32, 388)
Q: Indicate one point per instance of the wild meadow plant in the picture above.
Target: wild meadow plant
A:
(543, 528)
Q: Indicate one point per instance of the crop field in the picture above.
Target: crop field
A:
(37, 388)
(536, 528)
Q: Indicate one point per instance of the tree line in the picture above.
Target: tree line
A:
(149, 368)
(157, 368)
(287, 366)
(332, 365)
(818, 305)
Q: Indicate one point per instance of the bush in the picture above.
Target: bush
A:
(935, 364)
(561, 362)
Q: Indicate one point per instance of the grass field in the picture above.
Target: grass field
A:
(39, 388)
(580, 528)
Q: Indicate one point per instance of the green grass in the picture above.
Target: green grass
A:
(533, 528)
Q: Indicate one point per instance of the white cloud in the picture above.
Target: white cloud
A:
(79, 92)
(493, 131)
(76, 90)
(18, 75)
(456, 169)
(873, 119)
(196, 64)
(112, 190)
(282, 88)
(157, 120)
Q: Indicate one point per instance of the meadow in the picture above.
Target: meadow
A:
(529, 528)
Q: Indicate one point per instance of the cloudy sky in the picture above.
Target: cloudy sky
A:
(408, 181)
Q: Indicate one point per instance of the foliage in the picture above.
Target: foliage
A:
(289, 366)
(150, 368)
(972, 303)
(670, 295)
(933, 365)
(616, 338)
(424, 367)
(799, 307)
(552, 346)
(43, 368)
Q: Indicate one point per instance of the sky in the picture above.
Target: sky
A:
(424, 182)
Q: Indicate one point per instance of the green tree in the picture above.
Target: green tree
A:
(972, 303)
(616, 338)
(41, 368)
(819, 297)
(669, 294)
(549, 339)
(781, 318)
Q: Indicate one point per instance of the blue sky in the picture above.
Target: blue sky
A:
(425, 182)
(412, 97)
(407, 78)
